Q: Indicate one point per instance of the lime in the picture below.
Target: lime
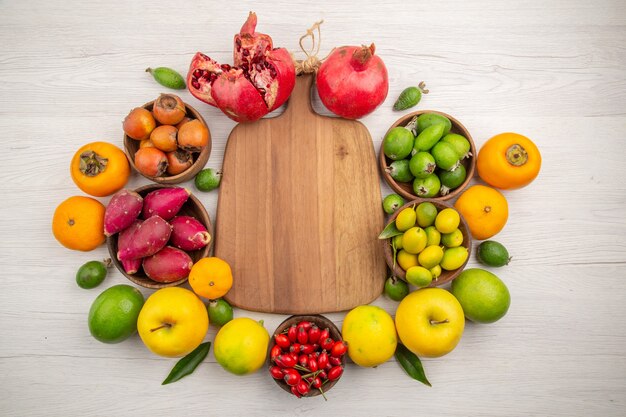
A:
(430, 256)
(240, 346)
(426, 214)
(220, 312)
(419, 276)
(397, 242)
(483, 296)
(406, 219)
(436, 271)
(452, 179)
(422, 164)
(113, 314)
(400, 171)
(392, 202)
(453, 239)
(398, 143)
(91, 274)
(493, 253)
(427, 187)
(405, 259)
(454, 258)
(208, 179)
(460, 144)
(447, 220)
(396, 289)
(414, 240)
(433, 236)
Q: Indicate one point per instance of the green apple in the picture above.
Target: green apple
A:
(483, 296)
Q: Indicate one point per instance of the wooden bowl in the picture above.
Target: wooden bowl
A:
(446, 276)
(405, 189)
(192, 207)
(199, 158)
(321, 322)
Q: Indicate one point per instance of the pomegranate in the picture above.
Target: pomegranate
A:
(352, 81)
(260, 81)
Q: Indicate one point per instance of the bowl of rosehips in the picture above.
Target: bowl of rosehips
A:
(306, 355)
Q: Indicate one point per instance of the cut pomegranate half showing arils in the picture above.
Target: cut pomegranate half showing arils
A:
(261, 80)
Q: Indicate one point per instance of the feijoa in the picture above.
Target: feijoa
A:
(91, 274)
(428, 119)
(400, 171)
(452, 179)
(220, 312)
(427, 187)
(428, 138)
(396, 289)
(493, 253)
(445, 156)
(460, 144)
(398, 143)
(392, 202)
(422, 164)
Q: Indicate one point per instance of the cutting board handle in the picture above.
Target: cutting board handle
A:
(300, 99)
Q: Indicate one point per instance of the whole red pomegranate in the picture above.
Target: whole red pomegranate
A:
(352, 81)
(260, 81)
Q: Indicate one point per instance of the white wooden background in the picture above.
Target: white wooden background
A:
(554, 70)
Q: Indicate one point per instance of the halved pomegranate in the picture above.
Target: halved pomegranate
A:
(261, 80)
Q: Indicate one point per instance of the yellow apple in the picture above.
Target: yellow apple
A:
(173, 322)
(430, 322)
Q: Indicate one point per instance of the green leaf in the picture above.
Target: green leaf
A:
(188, 364)
(411, 364)
(389, 231)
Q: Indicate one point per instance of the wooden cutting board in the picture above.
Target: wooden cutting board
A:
(299, 212)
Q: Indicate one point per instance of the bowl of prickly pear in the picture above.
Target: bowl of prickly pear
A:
(307, 355)
(426, 243)
(427, 154)
(176, 134)
(171, 230)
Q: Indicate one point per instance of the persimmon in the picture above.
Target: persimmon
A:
(151, 161)
(164, 138)
(193, 136)
(139, 123)
(78, 223)
(484, 209)
(508, 161)
(100, 169)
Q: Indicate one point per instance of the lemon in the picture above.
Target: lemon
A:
(447, 220)
(240, 346)
(419, 276)
(370, 334)
(406, 219)
(414, 240)
(453, 239)
(454, 258)
(430, 256)
(433, 236)
(436, 271)
(397, 242)
(406, 260)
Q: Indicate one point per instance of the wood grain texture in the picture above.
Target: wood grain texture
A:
(298, 212)
(551, 70)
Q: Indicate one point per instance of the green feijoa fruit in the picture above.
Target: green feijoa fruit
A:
(493, 253)
(167, 77)
(445, 156)
(426, 213)
(400, 171)
(452, 179)
(422, 164)
(398, 143)
(409, 97)
(91, 274)
(428, 137)
(220, 312)
(433, 236)
(392, 202)
(428, 119)
(419, 276)
(208, 179)
(427, 187)
(396, 289)
(460, 144)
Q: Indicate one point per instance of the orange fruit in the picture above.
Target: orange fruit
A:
(78, 223)
(508, 161)
(100, 169)
(211, 278)
(485, 210)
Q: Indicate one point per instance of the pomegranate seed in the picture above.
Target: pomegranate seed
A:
(294, 390)
(285, 361)
(317, 382)
(225, 67)
(206, 75)
(333, 360)
(267, 64)
(322, 360)
(195, 84)
(312, 365)
(276, 372)
(292, 333)
(324, 334)
(303, 335)
(296, 347)
(197, 73)
(305, 324)
(238, 42)
(282, 341)
(303, 387)
(303, 360)
(314, 331)
(308, 349)
(292, 377)
(339, 349)
(335, 373)
(273, 73)
(327, 344)
(276, 350)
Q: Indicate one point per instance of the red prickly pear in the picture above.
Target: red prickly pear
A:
(164, 202)
(188, 233)
(167, 265)
(131, 266)
(122, 211)
(147, 239)
(125, 238)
